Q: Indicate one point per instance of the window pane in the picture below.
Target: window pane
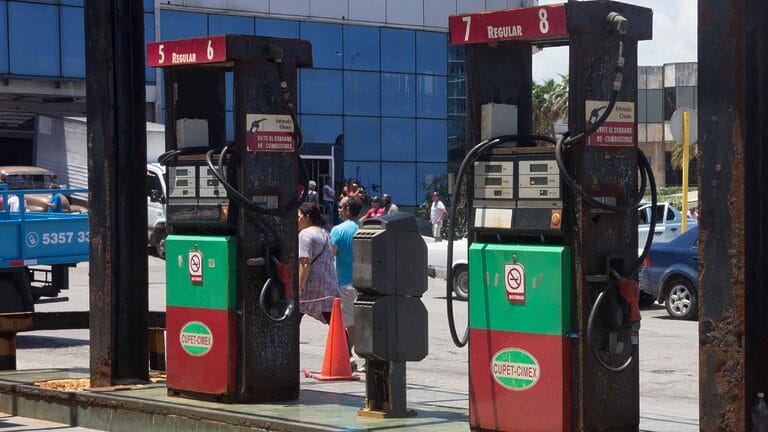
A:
(670, 102)
(431, 53)
(181, 25)
(685, 98)
(229, 118)
(398, 139)
(431, 140)
(368, 175)
(277, 28)
(149, 36)
(654, 106)
(326, 43)
(34, 43)
(321, 129)
(149, 5)
(72, 42)
(77, 2)
(228, 24)
(399, 180)
(321, 91)
(642, 109)
(361, 93)
(398, 95)
(362, 138)
(3, 38)
(361, 48)
(431, 96)
(426, 173)
(398, 50)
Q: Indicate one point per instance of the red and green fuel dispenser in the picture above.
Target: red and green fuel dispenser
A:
(552, 337)
(231, 252)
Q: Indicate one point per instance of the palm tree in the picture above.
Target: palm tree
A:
(550, 104)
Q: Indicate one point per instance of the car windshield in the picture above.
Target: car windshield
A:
(28, 181)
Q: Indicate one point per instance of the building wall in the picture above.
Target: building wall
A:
(661, 91)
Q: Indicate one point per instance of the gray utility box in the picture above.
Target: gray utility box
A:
(390, 257)
(390, 272)
(391, 328)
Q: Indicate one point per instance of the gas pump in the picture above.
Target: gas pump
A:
(231, 252)
(553, 315)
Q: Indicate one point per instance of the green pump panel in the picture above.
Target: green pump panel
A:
(214, 287)
(201, 302)
(526, 288)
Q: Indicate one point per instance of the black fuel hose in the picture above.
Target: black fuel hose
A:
(263, 304)
(473, 154)
(610, 288)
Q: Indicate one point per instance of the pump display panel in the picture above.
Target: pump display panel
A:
(518, 193)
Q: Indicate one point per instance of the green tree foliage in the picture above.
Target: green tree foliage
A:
(550, 104)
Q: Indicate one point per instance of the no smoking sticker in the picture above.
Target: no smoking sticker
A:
(195, 261)
(514, 282)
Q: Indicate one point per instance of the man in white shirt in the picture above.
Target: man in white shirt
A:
(437, 215)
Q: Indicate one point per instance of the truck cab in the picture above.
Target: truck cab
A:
(157, 192)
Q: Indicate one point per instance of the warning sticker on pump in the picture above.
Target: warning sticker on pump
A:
(514, 282)
(269, 133)
(618, 129)
(195, 267)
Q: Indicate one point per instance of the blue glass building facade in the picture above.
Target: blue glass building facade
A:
(381, 94)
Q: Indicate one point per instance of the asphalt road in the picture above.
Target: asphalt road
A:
(668, 354)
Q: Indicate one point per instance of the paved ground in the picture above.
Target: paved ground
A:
(9, 423)
(668, 362)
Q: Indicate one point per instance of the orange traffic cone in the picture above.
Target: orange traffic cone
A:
(336, 361)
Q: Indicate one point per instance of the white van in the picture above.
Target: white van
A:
(157, 192)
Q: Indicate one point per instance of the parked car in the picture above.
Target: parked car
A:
(23, 177)
(671, 273)
(437, 257)
(669, 221)
(157, 192)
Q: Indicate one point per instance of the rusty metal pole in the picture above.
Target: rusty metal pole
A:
(733, 235)
(114, 34)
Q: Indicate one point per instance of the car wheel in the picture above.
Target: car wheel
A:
(461, 282)
(10, 298)
(681, 299)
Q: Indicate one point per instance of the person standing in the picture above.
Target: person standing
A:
(342, 240)
(329, 198)
(437, 215)
(376, 209)
(318, 285)
(312, 195)
(389, 206)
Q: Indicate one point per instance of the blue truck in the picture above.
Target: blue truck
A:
(37, 249)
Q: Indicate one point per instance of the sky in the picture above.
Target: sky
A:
(674, 39)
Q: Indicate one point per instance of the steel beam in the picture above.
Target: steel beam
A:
(114, 35)
(733, 240)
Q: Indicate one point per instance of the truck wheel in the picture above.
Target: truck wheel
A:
(10, 298)
(681, 299)
(461, 282)
(160, 248)
(158, 240)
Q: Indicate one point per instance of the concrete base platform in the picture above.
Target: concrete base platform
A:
(149, 408)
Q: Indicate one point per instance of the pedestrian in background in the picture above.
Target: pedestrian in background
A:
(437, 215)
(376, 210)
(389, 206)
(342, 240)
(318, 285)
(312, 196)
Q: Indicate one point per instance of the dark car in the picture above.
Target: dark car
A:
(671, 273)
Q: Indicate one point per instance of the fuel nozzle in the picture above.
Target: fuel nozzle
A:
(618, 22)
(629, 290)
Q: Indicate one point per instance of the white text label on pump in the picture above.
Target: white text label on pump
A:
(619, 129)
(269, 133)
